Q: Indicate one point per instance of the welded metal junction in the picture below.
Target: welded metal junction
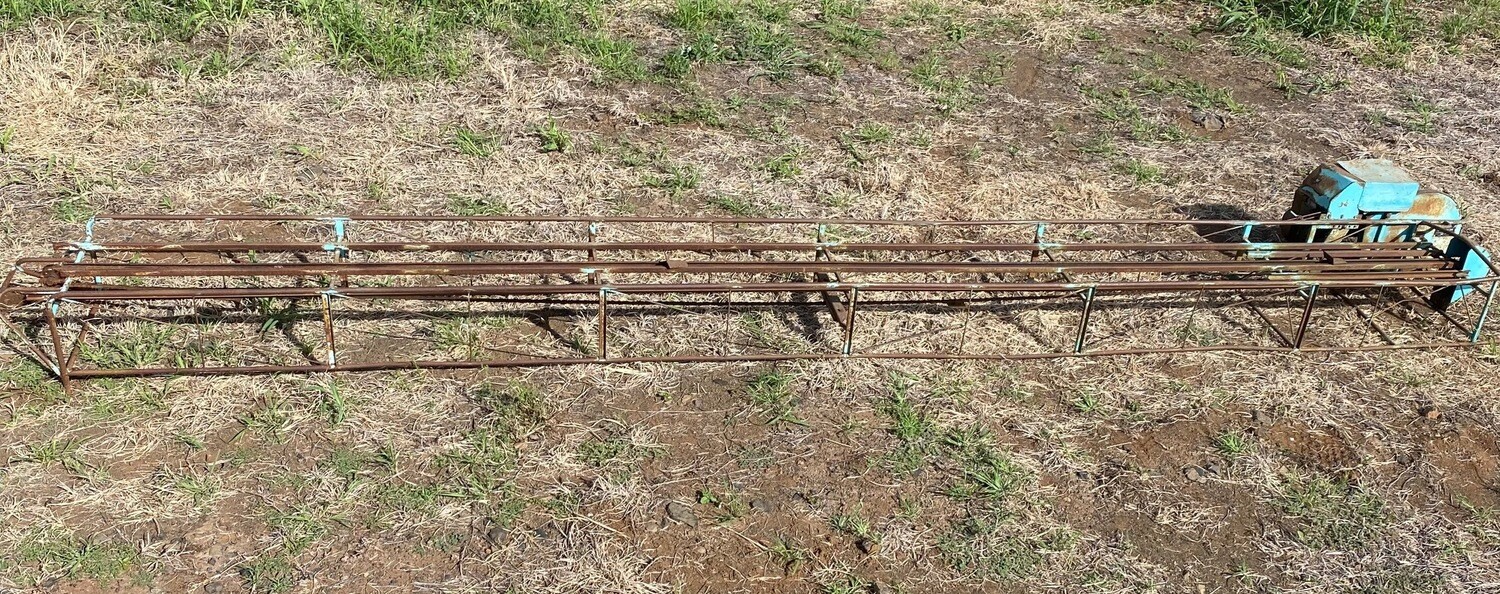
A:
(150, 295)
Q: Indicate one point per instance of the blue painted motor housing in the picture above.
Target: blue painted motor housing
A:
(1380, 189)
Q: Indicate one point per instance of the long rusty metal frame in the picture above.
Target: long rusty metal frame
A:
(101, 274)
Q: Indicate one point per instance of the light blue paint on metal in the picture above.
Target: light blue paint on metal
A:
(1261, 249)
(1048, 245)
(88, 238)
(1386, 187)
(1471, 263)
(1380, 189)
(340, 234)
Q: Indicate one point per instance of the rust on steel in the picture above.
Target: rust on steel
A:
(123, 267)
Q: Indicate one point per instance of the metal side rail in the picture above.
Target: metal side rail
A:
(157, 295)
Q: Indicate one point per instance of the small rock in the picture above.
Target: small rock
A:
(1404, 459)
(1212, 468)
(1193, 473)
(1430, 413)
(497, 535)
(868, 546)
(762, 506)
(213, 588)
(1208, 120)
(682, 513)
(557, 325)
(880, 588)
(1259, 417)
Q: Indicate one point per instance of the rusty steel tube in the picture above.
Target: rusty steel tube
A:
(1342, 223)
(1386, 249)
(65, 271)
(34, 295)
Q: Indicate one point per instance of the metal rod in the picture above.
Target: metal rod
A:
(330, 348)
(603, 324)
(61, 366)
(849, 322)
(1368, 318)
(1163, 287)
(774, 221)
(1484, 314)
(1269, 323)
(1307, 312)
(67, 271)
(592, 249)
(1083, 320)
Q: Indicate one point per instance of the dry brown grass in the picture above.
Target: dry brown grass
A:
(200, 483)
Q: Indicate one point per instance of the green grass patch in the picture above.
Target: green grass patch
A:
(784, 165)
(14, 13)
(1332, 514)
(755, 32)
(299, 527)
(58, 451)
(673, 177)
(142, 344)
(788, 555)
(1389, 24)
(694, 110)
(1144, 173)
(734, 205)
(861, 140)
(34, 380)
(390, 42)
(542, 29)
(476, 206)
(615, 446)
(513, 408)
(72, 207)
(914, 429)
(182, 20)
(770, 393)
(993, 547)
(728, 505)
(553, 138)
(854, 523)
(987, 474)
(272, 573)
(474, 143)
(52, 551)
(270, 421)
